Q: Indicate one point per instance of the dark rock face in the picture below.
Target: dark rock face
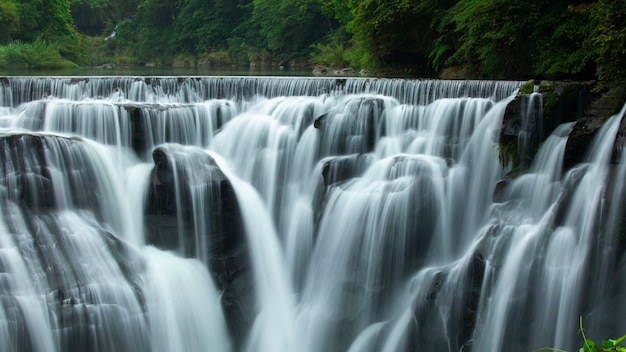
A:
(86, 319)
(355, 130)
(153, 124)
(192, 208)
(336, 170)
(24, 171)
(27, 162)
(530, 118)
(429, 327)
(138, 130)
(564, 102)
(620, 140)
(88, 308)
(579, 140)
(408, 221)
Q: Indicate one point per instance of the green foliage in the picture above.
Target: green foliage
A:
(439, 54)
(96, 51)
(507, 154)
(203, 26)
(45, 34)
(93, 4)
(403, 33)
(607, 39)
(381, 26)
(50, 19)
(10, 55)
(610, 345)
(333, 51)
(581, 39)
(287, 28)
(149, 34)
(9, 20)
(38, 54)
(514, 39)
(91, 17)
(561, 51)
(493, 36)
(340, 10)
(527, 88)
(215, 58)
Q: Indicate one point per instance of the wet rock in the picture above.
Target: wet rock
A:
(499, 190)
(22, 165)
(27, 162)
(138, 130)
(83, 300)
(355, 129)
(192, 208)
(335, 171)
(579, 140)
(620, 139)
(531, 117)
(430, 330)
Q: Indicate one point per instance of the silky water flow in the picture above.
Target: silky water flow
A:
(296, 214)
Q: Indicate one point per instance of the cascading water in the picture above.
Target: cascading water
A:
(283, 214)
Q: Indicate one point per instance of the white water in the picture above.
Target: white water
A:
(183, 305)
(366, 207)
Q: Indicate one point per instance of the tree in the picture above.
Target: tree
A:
(559, 36)
(607, 39)
(398, 32)
(148, 32)
(340, 10)
(512, 39)
(206, 25)
(91, 16)
(288, 27)
(9, 20)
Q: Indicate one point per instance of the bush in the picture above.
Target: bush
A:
(38, 54)
(610, 345)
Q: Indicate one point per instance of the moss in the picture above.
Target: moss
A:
(507, 154)
(546, 86)
(549, 105)
(617, 97)
(527, 88)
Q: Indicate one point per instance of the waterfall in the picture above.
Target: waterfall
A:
(310, 214)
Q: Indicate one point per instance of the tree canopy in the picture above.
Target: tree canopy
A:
(9, 20)
(488, 39)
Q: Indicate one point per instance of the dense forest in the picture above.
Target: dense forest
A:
(493, 39)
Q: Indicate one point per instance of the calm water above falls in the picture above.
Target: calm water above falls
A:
(295, 214)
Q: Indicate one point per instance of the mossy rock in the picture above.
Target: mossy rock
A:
(546, 86)
(508, 154)
(549, 105)
(527, 88)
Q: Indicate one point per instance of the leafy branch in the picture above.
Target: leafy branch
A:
(610, 345)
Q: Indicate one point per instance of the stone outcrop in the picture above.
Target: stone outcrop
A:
(27, 162)
(534, 113)
(461, 293)
(52, 244)
(356, 129)
(187, 187)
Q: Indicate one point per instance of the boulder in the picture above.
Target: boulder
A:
(27, 162)
(192, 209)
(429, 329)
(86, 300)
(354, 129)
(534, 113)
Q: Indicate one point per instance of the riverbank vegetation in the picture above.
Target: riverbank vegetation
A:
(503, 39)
